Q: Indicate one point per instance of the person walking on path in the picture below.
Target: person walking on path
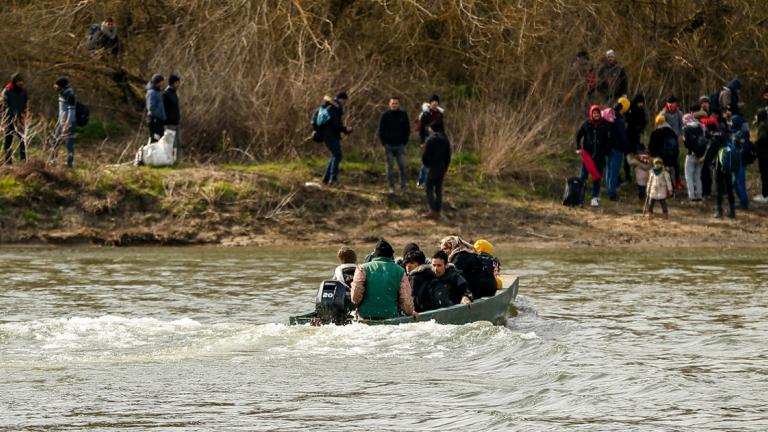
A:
(173, 112)
(437, 159)
(761, 147)
(394, 131)
(13, 113)
(67, 121)
(593, 138)
(612, 78)
(330, 128)
(155, 108)
(431, 112)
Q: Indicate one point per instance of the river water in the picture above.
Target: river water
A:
(196, 339)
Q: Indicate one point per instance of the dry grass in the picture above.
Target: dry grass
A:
(254, 70)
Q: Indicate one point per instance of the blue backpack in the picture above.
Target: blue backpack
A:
(729, 158)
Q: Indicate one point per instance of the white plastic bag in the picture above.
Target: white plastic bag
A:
(159, 153)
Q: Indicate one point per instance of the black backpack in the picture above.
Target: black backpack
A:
(671, 148)
(574, 192)
(488, 264)
(82, 114)
(695, 141)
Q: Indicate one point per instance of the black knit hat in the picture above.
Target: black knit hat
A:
(342, 95)
(173, 79)
(410, 247)
(383, 249)
(62, 82)
(435, 98)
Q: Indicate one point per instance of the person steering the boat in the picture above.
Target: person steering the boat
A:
(380, 288)
(448, 275)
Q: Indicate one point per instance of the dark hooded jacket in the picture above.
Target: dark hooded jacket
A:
(761, 145)
(437, 152)
(171, 105)
(421, 278)
(613, 80)
(481, 283)
(729, 96)
(154, 99)
(14, 100)
(658, 137)
(334, 127)
(456, 283)
(637, 121)
(594, 138)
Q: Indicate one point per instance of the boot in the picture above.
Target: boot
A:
(719, 214)
(732, 213)
(665, 216)
(433, 215)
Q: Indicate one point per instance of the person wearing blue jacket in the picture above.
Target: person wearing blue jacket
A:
(155, 107)
(67, 121)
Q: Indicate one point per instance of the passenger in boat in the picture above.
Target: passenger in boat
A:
(380, 286)
(345, 272)
(446, 273)
(484, 250)
(428, 292)
(410, 247)
(463, 256)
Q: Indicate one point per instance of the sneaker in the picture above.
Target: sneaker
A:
(760, 199)
(718, 215)
(613, 197)
(391, 190)
(420, 185)
(595, 202)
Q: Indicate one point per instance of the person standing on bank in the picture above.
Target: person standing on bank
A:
(612, 78)
(431, 112)
(394, 131)
(155, 108)
(331, 131)
(173, 112)
(436, 158)
(13, 113)
(67, 121)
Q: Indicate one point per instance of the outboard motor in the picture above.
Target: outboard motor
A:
(334, 302)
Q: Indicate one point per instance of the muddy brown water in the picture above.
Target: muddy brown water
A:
(196, 339)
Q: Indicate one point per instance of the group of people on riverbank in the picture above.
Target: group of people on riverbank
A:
(384, 287)
(394, 132)
(712, 132)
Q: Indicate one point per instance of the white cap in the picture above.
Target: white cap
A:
(610, 53)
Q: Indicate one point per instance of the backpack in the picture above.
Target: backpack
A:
(319, 118)
(436, 295)
(348, 275)
(671, 149)
(729, 158)
(574, 192)
(93, 36)
(694, 140)
(82, 114)
(490, 265)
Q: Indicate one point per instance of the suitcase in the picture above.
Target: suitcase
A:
(574, 192)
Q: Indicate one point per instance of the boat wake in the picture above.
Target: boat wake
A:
(116, 339)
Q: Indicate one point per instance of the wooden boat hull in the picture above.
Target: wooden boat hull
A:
(494, 309)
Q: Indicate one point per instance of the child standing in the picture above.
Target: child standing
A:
(348, 264)
(641, 163)
(659, 188)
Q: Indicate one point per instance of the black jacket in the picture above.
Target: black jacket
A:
(427, 118)
(595, 140)
(658, 137)
(437, 152)
(481, 283)
(613, 80)
(456, 284)
(420, 279)
(334, 127)
(171, 104)
(15, 101)
(394, 128)
(717, 141)
(637, 121)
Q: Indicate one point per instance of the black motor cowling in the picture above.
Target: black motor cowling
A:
(333, 303)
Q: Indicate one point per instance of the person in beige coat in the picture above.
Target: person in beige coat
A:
(659, 188)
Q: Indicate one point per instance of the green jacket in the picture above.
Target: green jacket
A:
(382, 288)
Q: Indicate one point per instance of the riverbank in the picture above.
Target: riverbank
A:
(284, 204)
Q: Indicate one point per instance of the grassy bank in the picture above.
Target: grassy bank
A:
(283, 202)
